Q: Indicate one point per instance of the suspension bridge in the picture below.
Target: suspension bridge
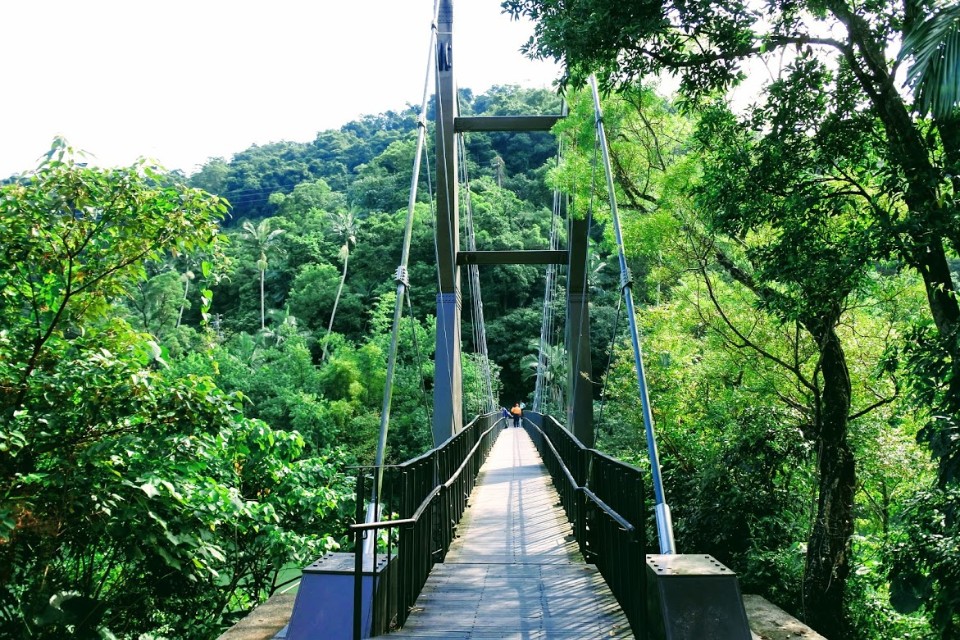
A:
(502, 532)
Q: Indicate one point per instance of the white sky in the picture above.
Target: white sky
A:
(180, 81)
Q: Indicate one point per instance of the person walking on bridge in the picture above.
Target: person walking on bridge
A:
(517, 414)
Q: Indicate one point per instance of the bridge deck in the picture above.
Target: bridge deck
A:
(515, 570)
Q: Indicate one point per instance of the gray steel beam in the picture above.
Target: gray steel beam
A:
(448, 386)
(580, 365)
(506, 123)
(531, 256)
(448, 378)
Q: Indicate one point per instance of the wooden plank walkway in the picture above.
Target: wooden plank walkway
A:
(515, 570)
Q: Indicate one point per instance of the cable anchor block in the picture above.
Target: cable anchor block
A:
(626, 278)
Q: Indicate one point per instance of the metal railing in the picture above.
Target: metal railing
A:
(424, 500)
(604, 500)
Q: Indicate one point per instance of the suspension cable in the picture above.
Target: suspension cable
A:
(606, 372)
(466, 211)
(402, 279)
(582, 316)
(664, 522)
(416, 350)
(546, 325)
(473, 273)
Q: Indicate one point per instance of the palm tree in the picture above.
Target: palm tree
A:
(554, 374)
(262, 239)
(934, 46)
(344, 225)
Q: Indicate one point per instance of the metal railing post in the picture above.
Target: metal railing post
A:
(359, 535)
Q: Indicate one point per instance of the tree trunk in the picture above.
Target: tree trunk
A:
(930, 223)
(336, 301)
(934, 268)
(949, 129)
(828, 551)
(932, 263)
(263, 322)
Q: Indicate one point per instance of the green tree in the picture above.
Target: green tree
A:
(313, 292)
(807, 248)
(626, 42)
(344, 226)
(136, 498)
(554, 376)
(76, 237)
(157, 303)
(263, 240)
(212, 177)
(910, 186)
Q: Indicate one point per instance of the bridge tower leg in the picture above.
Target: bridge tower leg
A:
(448, 387)
(580, 367)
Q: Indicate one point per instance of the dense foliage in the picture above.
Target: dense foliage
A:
(186, 379)
(188, 373)
(807, 200)
(137, 497)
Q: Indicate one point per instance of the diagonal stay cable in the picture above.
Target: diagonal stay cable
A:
(402, 280)
(664, 522)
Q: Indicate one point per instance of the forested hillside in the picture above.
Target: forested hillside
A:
(188, 372)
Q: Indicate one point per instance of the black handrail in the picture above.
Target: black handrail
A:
(428, 494)
(604, 500)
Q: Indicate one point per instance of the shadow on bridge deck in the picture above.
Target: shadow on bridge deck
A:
(515, 570)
